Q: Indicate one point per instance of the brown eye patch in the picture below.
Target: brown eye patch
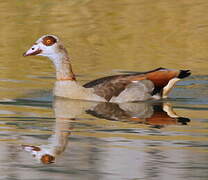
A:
(49, 40)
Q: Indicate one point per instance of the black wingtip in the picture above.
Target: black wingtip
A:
(184, 73)
(183, 120)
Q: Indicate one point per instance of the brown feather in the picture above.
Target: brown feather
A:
(111, 88)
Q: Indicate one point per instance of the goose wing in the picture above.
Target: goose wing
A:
(113, 86)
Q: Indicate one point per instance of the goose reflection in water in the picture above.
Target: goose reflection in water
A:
(156, 115)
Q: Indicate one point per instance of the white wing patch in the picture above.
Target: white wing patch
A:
(136, 91)
(169, 87)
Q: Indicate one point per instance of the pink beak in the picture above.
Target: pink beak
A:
(32, 53)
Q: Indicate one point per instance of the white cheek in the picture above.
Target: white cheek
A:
(50, 51)
(47, 49)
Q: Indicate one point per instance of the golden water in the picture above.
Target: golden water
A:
(103, 37)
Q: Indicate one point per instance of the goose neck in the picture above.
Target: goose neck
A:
(63, 67)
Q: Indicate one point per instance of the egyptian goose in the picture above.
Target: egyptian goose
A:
(139, 86)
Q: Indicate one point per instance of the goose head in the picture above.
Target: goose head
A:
(49, 46)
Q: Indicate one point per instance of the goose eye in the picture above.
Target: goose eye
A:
(49, 40)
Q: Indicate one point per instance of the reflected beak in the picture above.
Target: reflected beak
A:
(29, 53)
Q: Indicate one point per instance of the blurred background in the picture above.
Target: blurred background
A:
(104, 37)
